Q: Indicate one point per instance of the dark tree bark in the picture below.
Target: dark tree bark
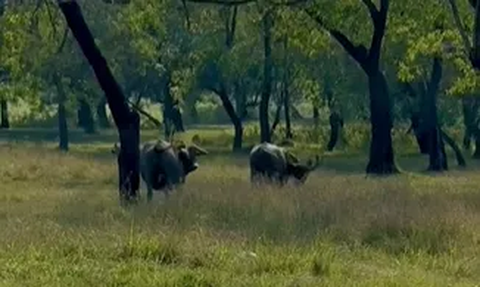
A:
(126, 120)
(177, 119)
(167, 106)
(381, 147)
(436, 148)
(470, 107)
(456, 149)
(213, 80)
(191, 106)
(267, 78)
(475, 52)
(62, 116)
(315, 115)
(336, 123)
(102, 118)
(286, 108)
(85, 117)
(422, 140)
(476, 153)
(240, 101)
(236, 121)
(5, 123)
(382, 159)
(276, 118)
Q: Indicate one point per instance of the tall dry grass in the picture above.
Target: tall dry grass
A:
(62, 226)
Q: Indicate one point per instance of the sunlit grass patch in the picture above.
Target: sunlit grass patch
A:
(62, 226)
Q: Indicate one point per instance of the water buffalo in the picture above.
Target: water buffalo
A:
(163, 165)
(274, 163)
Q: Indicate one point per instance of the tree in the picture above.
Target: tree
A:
(126, 120)
(382, 159)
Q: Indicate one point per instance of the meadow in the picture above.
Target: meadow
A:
(61, 224)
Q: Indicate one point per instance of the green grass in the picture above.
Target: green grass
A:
(61, 224)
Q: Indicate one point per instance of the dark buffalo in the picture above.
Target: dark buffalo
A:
(164, 166)
(274, 163)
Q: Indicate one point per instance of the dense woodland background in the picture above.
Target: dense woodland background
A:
(228, 64)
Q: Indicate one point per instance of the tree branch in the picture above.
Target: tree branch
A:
(379, 23)
(460, 27)
(144, 113)
(358, 52)
(371, 9)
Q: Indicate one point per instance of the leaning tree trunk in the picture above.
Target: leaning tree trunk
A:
(456, 149)
(436, 148)
(236, 121)
(62, 116)
(5, 123)
(381, 146)
(267, 78)
(126, 120)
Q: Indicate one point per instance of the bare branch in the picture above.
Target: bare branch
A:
(147, 115)
(460, 27)
(371, 9)
(379, 24)
(358, 52)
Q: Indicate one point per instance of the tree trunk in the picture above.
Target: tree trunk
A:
(476, 153)
(102, 114)
(436, 149)
(475, 52)
(267, 80)
(192, 112)
(62, 117)
(381, 148)
(276, 119)
(167, 107)
(177, 119)
(336, 123)
(240, 101)
(316, 116)
(458, 153)
(85, 117)
(5, 123)
(236, 121)
(286, 109)
(126, 120)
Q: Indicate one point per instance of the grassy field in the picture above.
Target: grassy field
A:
(61, 224)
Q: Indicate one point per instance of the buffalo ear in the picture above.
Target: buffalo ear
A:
(196, 150)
